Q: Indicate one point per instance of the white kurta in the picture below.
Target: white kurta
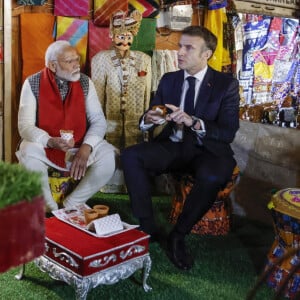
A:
(32, 155)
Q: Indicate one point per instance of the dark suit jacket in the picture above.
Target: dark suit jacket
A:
(217, 105)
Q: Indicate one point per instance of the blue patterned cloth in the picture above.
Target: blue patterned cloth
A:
(31, 2)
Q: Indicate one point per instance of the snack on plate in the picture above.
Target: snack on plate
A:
(66, 134)
(160, 108)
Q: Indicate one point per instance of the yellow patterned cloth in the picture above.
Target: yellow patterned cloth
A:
(61, 184)
(215, 20)
(123, 87)
(76, 32)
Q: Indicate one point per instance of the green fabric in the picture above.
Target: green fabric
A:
(145, 40)
(226, 267)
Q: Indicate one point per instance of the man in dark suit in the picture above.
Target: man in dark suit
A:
(201, 121)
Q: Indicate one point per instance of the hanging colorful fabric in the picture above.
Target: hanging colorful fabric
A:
(264, 63)
(31, 2)
(284, 72)
(214, 21)
(213, 4)
(75, 31)
(36, 31)
(98, 39)
(71, 8)
(255, 32)
(148, 8)
(103, 9)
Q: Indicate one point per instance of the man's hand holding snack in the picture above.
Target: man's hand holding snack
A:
(156, 115)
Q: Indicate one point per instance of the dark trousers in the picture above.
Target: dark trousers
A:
(142, 161)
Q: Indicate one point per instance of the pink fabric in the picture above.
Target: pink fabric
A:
(71, 8)
(76, 32)
(98, 39)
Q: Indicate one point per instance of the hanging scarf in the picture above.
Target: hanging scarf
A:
(55, 114)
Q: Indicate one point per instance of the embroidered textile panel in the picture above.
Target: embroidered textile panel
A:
(76, 32)
(103, 9)
(71, 8)
(36, 36)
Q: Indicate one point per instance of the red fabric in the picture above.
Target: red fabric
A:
(22, 233)
(55, 114)
(85, 248)
(71, 8)
(98, 39)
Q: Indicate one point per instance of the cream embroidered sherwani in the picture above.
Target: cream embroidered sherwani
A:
(123, 86)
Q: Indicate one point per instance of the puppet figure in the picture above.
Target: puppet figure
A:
(123, 81)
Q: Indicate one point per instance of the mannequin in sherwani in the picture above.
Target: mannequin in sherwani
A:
(123, 82)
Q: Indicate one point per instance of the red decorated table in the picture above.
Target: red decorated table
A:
(85, 261)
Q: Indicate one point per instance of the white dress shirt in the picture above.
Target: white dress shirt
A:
(178, 132)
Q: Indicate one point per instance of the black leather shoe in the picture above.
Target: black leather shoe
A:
(156, 238)
(177, 253)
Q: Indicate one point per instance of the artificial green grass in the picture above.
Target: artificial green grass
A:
(226, 267)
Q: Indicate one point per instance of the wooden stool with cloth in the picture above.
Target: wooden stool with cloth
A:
(61, 184)
(217, 221)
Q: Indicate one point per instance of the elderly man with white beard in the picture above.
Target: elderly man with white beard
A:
(61, 99)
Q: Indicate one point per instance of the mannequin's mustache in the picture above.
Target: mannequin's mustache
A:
(120, 44)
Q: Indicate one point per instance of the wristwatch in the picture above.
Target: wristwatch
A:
(195, 121)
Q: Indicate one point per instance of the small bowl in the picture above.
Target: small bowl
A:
(90, 215)
(102, 210)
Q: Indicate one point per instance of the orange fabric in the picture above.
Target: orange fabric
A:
(55, 114)
(36, 36)
(217, 220)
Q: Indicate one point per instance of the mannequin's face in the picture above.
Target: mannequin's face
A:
(123, 41)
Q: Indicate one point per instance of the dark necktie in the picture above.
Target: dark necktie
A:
(190, 96)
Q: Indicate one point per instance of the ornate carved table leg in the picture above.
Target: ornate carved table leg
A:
(82, 287)
(146, 272)
(21, 273)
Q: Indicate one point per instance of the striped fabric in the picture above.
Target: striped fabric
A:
(98, 39)
(148, 8)
(36, 36)
(76, 32)
(103, 9)
(71, 8)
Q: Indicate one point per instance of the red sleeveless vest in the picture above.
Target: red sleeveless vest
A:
(55, 114)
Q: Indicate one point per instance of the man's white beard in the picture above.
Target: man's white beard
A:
(74, 76)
